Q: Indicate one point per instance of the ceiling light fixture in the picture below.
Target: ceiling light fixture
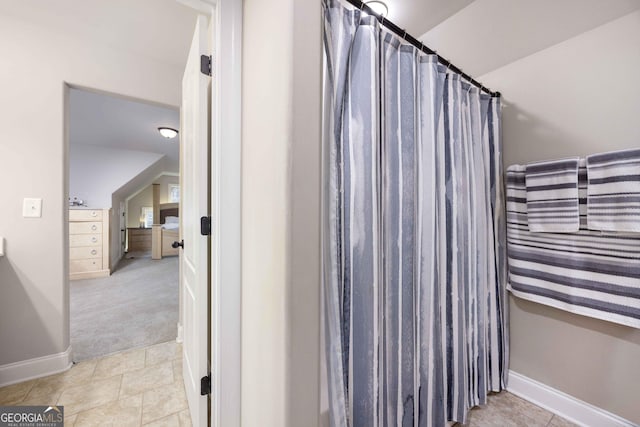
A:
(378, 7)
(168, 133)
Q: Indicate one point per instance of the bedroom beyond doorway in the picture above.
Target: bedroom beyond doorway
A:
(124, 208)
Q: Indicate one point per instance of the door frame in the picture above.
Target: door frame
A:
(226, 280)
(225, 191)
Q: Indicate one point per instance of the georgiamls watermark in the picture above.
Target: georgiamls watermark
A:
(31, 416)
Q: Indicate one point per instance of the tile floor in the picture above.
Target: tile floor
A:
(132, 388)
(143, 387)
(507, 410)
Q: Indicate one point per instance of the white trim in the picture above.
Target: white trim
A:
(226, 283)
(226, 122)
(25, 370)
(562, 404)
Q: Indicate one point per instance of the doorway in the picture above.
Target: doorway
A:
(224, 208)
(123, 181)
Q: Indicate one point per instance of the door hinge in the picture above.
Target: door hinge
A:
(205, 385)
(205, 64)
(205, 225)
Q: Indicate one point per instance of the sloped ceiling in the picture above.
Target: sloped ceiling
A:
(113, 122)
(488, 34)
(419, 16)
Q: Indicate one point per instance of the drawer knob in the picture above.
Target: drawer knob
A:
(93, 252)
(94, 213)
(94, 239)
(94, 227)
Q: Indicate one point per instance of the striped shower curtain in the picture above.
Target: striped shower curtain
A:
(413, 232)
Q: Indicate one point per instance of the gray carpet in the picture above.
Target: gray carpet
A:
(136, 306)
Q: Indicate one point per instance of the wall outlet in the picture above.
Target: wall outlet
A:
(32, 208)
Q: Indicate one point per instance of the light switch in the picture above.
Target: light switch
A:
(32, 208)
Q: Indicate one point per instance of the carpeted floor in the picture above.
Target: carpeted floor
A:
(136, 306)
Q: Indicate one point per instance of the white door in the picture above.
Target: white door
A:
(194, 180)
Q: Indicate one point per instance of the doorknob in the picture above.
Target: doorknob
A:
(177, 245)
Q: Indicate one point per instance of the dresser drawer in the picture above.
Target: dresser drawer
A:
(77, 240)
(89, 243)
(85, 215)
(85, 227)
(85, 265)
(85, 252)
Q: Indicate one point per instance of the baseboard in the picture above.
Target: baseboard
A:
(179, 337)
(25, 370)
(562, 404)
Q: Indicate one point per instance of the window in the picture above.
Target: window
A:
(146, 218)
(174, 193)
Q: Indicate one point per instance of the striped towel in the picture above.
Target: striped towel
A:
(613, 199)
(552, 196)
(587, 272)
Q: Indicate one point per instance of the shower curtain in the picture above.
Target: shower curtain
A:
(413, 232)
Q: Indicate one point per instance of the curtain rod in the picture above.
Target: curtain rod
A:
(418, 44)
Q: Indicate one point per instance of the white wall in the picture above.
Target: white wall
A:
(96, 172)
(280, 203)
(576, 98)
(267, 60)
(36, 63)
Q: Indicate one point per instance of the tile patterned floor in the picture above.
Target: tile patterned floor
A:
(507, 410)
(143, 387)
(132, 388)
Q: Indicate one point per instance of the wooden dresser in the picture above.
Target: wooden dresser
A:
(139, 239)
(88, 243)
